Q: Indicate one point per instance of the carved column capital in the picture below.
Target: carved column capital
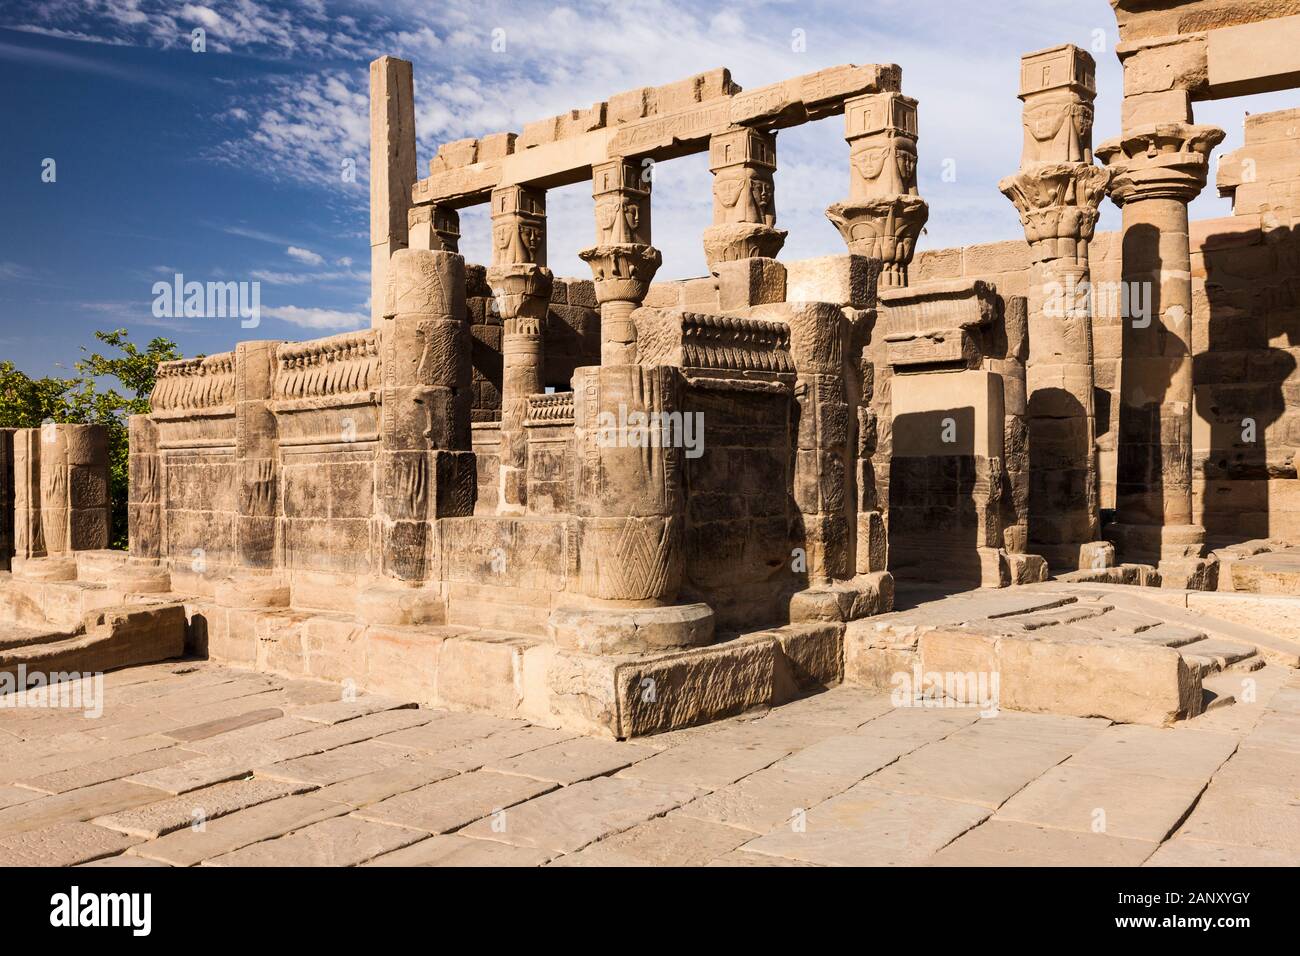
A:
(885, 229)
(620, 190)
(518, 225)
(1058, 205)
(622, 271)
(743, 162)
(1160, 161)
(523, 294)
(432, 227)
(884, 214)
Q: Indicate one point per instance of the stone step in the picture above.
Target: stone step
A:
(1212, 656)
(108, 639)
(1170, 635)
(17, 635)
(1263, 622)
(1068, 614)
(497, 616)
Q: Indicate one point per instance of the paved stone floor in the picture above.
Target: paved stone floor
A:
(194, 763)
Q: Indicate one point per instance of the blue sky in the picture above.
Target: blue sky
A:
(226, 164)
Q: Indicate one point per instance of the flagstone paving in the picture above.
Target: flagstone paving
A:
(195, 763)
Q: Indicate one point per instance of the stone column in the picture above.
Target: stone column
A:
(623, 263)
(392, 168)
(628, 524)
(521, 284)
(1057, 193)
(257, 449)
(61, 500)
(742, 161)
(1158, 169)
(884, 213)
(28, 540)
(881, 220)
(425, 467)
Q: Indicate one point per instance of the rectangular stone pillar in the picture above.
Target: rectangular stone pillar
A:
(257, 450)
(392, 168)
(144, 494)
(6, 497)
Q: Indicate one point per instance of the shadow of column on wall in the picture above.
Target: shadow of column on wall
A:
(933, 512)
(1242, 375)
(1059, 483)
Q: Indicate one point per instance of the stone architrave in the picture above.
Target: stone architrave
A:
(1057, 193)
(1158, 169)
(743, 162)
(884, 214)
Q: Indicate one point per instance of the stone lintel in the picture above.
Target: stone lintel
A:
(664, 123)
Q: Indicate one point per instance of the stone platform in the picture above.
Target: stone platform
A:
(288, 772)
(1129, 654)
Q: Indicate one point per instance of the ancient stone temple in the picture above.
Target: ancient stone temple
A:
(625, 505)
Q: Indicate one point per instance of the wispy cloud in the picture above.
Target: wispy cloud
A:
(320, 319)
(305, 255)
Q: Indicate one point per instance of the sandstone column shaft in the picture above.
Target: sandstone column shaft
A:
(1159, 168)
(425, 466)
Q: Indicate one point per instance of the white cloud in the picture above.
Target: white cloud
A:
(305, 255)
(320, 319)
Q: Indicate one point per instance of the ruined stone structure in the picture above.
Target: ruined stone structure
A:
(626, 505)
(55, 489)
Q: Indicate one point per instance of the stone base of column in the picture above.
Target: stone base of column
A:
(861, 596)
(1156, 543)
(1089, 556)
(631, 630)
(1190, 574)
(141, 577)
(1000, 568)
(58, 568)
(1023, 568)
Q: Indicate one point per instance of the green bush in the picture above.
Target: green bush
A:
(89, 398)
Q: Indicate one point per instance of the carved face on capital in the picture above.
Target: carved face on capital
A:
(1060, 129)
(889, 168)
(763, 197)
